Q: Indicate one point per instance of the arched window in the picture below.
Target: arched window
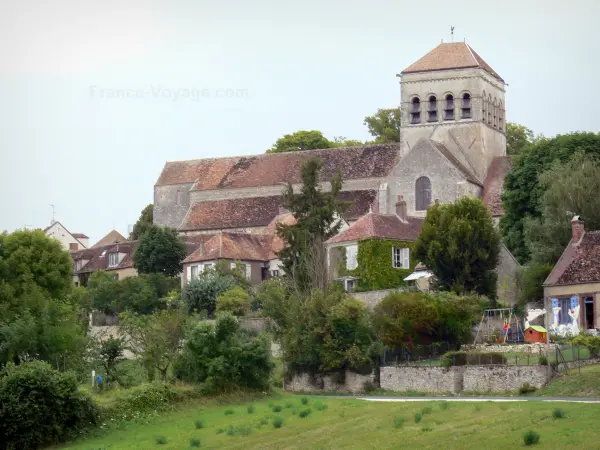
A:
(422, 193)
(466, 106)
(500, 117)
(415, 110)
(495, 115)
(489, 110)
(432, 109)
(483, 107)
(449, 107)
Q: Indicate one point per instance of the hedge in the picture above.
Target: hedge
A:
(462, 358)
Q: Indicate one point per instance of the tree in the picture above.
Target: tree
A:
(300, 140)
(317, 215)
(143, 223)
(160, 251)
(235, 300)
(460, 245)
(522, 190)
(384, 125)
(530, 282)
(342, 141)
(570, 189)
(201, 293)
(517, 137)
(110, 354)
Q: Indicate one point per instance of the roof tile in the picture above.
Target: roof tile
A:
(381, 226)
(579, 263)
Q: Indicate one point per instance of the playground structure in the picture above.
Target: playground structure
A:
(499, 325)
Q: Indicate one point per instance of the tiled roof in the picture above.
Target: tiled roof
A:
(234, 246)
(80, 236)
(98, 256)
(276, 168)
(493, 185)
(451, 55)
(110, 238)
(469, 176)
(259, 211)
(381, 226)
(578, 263)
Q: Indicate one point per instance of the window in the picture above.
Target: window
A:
(400, 258)
(561, 307)
(77, 265)
(349, 285)
(193, 273)
(422, 193)
(495, 114)
(466, 106)
(415, 110)
(432, 109)
(489, 110)
(483, 107)
(274, 273)
(207, 266)
(500, 117)
(113, 259)
(351, 257)
(449, 107)
(73, 246)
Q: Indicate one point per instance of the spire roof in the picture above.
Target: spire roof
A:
(448, 56)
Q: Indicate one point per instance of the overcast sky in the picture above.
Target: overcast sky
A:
(216, 78)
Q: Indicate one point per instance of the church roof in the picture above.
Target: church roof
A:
(451, 55)
(382, 226)
(275, 168)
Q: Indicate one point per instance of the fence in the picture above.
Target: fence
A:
(569, 356)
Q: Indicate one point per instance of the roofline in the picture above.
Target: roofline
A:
(562, 255)
(497, 77)
(59, 222)
(230, 259)
(571, 284)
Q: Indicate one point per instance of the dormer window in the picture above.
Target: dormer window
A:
(466, 106)
(449, 107)
(415, 110)
(432, 109)
(113, 259)
(78, 265)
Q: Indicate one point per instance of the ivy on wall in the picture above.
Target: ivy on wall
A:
(375, 269)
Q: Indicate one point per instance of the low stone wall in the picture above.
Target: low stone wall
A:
(371, 298)
(505, 348)
(353, 383)
(420, 379)
(503, 378)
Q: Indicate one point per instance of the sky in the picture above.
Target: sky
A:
(95, 97)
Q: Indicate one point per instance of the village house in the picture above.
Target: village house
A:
(452, 143)
(572, 290)
(70, 241)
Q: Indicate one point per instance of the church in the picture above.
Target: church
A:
(452, 143)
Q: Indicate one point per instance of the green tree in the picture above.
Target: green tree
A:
(317, 216)
(460, 245)
(104, 294)
(384, 125)
(201, 293)
(236, 301)
(517, 137)
(522, 190)
(110, 354)
(300, 140)
(342, 141)
(144, 222)
(569, 189)
(160, 251)
(530, 282)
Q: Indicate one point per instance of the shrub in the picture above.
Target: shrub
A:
(304, 400)
(426, 429)
(264, 421)
(277, 408)
(426, 410)
(418, 417)
(199, 424)
(235, 300)
(278, 422)
(201, 293)
(531, 438)
(543, 360)
(161, 440)
(558, 413)
(289, 405)
(228, 412)
(251, 409)
(320, 406)
(527, 389)
(194, 442)
(592, 343)
(398, 422)
(304, 413)
(144, 398)
(39, 406)
(444, 406)
(462, 358)
(220, 430)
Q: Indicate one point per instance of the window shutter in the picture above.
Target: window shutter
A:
(248, 271)
(405, 258)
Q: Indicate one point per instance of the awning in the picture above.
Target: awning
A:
(418, 275)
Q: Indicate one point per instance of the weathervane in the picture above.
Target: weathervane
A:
(452, 33)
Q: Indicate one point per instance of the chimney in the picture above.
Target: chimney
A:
(577, 230)
(401, 209)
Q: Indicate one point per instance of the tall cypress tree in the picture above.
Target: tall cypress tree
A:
(317, 215)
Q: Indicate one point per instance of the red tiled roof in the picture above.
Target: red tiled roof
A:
(493, 185)
(578, 263)
(276, 168)
(259, 211)
(80, 236)
(98, 256)
(381, 226)
(235, 246)
(451, 55)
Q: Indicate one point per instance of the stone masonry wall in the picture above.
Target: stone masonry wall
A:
(420, 379)
(354, 383)
(503, 378)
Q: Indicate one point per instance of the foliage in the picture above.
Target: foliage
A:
(111, 354)
(160, 250)
(558, 413)
(526, 388)
(569, 189)
(30, 257)
(317, 219)
(398, 422)
(300, 140)
(384, 125)
(342, 141)
(461, 358)
(224, 357)
(517, 138)
(40, 406)
(592, 343)
(201, 293)
(522, 190)
(407, 318)
(277, 422)
(194, 442)
(235, 300)
(144, 222)
(531, 438)
(303, 413)
(529, 281)
(156, 339)
(418, 417)
(271, 298)
(460, 245)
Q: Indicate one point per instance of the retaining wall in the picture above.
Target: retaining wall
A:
(353, 383)
(420, 379)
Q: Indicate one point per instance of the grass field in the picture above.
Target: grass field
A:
(574, 384)
(348, 423)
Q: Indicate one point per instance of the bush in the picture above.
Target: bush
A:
(304, 413)
(161, 440)
(40, 406)
(201, 294)
(264, 421)
(319, 406)
(527, 389)
(304, 400)
(592, 343)
(418, 417)
(398, 422)
(543, 360)
(462, 358)
(531, 438)
(236, 301)
(251, 409)
(558, 413)
(278, 422)
(228, 412)
(426, 410)
(194, 442)
(199, 424)
(277, 408)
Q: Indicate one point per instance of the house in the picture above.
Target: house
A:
(115, 258)
(452, 143)
(70, 241)
(572, 290)
(111, 238)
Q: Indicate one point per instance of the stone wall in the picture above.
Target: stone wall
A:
(535, 348)
(353, 383)
(420, 379)
(503, 378)
(371, 298)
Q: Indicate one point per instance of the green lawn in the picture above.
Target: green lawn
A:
(348, 423)
(573, 384)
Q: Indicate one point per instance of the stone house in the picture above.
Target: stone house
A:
(572, 290)
(452, 143)
(70, 241)
(114, 258)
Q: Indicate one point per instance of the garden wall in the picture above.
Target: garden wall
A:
(353, 383)
(503, 378)
(513, 348)
(421, 379)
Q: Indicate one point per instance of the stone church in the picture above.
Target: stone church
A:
(452, 143)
